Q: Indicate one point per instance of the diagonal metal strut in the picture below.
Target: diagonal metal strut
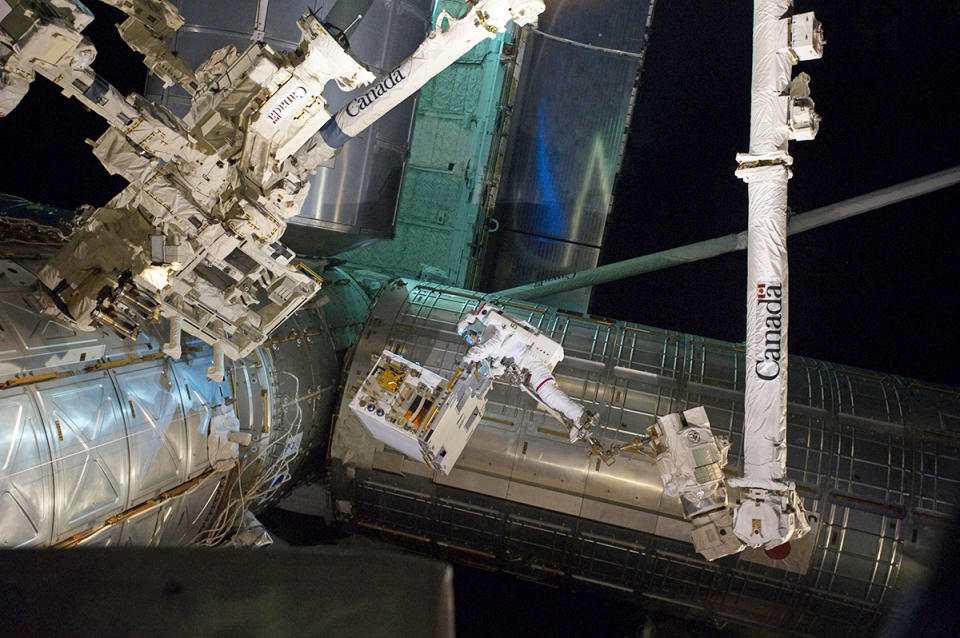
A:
(735, 241)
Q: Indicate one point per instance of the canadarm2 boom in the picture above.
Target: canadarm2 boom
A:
(450, 39)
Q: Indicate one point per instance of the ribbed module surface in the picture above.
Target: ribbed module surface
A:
(875, 458)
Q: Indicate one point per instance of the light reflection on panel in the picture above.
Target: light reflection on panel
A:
(142, 530)
(183, 524)
(108, 536)
(92, 466)
(616, 24)
(564, 141)
(514, 258)
(209, 15)
(157, 438)
(26, 483)
(562, 155)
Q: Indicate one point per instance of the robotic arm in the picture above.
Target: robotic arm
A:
(691, 459)
(195, 236)
(45, 37)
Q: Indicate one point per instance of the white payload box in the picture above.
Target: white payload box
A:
(419, 413)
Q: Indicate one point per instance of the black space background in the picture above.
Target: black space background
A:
(877, 291)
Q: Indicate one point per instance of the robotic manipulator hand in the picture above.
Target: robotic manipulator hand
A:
(504, 347)
(691, 460)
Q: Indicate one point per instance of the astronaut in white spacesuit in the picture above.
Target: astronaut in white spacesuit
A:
(508, 347)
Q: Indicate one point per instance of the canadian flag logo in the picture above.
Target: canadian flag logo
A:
(767, 330)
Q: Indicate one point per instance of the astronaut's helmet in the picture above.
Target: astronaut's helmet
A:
(472, 337)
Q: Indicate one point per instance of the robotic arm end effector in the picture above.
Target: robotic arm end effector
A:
(690, 459)
(583, 430)
(770, 518)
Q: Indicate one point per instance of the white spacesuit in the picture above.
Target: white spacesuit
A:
(514, 348)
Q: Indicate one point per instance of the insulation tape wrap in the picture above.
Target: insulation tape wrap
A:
(772, 67)
(765, 396)
(766, 348)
